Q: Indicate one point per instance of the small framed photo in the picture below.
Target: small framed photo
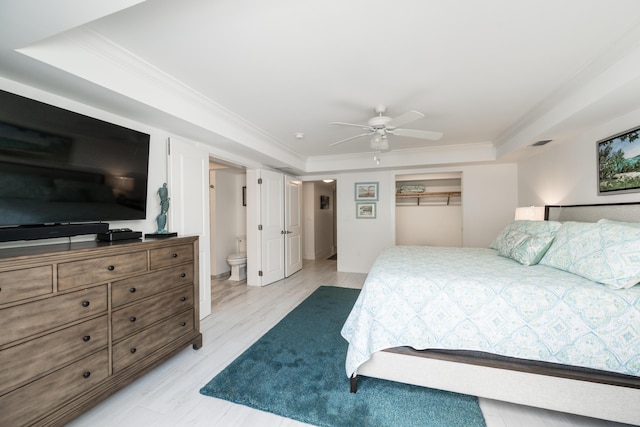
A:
(366, 191)
(324, 202)
(619, 163)
(365, 210)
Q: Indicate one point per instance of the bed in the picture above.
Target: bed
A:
(549, 316)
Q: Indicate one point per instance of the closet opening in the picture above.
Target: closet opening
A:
(429, 209)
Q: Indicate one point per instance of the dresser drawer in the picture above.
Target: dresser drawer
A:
(136, 288)
(31, 318)
(104, 269)
(25, 283)
(138, 346)
(22, 362)
(133, 318)
(164, 257)
(53, 390)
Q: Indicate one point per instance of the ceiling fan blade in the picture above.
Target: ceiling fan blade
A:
(351, 137)
(402, 119)
(351, 124)
(414, 133)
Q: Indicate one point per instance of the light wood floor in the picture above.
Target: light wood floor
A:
(169, 396)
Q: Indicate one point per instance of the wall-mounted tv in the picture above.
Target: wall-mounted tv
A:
(61, 167)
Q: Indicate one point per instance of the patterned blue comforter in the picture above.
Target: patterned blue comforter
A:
(473, 299)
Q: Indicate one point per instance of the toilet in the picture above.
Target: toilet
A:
(238, 261)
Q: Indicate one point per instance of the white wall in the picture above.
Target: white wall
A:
(361, 240)
(429, 225)
(565, 171)
(489, 201)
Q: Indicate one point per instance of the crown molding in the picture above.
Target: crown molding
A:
(426, 156)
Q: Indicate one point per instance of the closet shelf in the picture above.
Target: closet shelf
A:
(418, 196)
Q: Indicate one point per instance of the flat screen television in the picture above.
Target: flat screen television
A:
(61, 167)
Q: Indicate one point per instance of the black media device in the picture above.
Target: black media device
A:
(64, 173)
(119, 234)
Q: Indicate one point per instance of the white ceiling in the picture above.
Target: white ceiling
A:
(247, 75)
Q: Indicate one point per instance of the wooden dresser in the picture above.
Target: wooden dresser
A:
(79, 321)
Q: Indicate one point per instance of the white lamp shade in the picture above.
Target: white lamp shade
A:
(531, 213)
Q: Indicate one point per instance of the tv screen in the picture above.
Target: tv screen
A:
(59, 167)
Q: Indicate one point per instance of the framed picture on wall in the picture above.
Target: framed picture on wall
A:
(619, 163)
(324, 202)
(366, 191)
(365, 210)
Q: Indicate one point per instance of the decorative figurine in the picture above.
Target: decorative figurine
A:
(161, 219)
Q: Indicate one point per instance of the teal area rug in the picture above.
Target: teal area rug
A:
(296, 370)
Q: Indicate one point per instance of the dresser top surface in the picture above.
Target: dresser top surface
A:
(89, 246)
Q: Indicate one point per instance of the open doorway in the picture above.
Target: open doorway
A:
(429, 209)
(227, 214)
(319, 209)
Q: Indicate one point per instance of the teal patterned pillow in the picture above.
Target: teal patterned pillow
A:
(532, 249)
(532, 228)
(509, 242)
(526, 249)
(605, 252)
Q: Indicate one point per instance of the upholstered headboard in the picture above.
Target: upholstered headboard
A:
(627, 212)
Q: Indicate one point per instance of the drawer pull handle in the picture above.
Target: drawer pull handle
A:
(85, 303)
(132, 290)
(133, 350)
(174, 255)
(87, 374)
(183, 324)
(86, 338)
(183, 299)
(111, 268)
(133, 319)
(183, 275)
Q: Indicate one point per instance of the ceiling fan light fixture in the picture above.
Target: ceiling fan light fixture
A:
(379, 142)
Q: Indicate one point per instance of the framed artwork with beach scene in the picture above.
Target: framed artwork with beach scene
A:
(365, 210)
(619, 163)
(366, 191)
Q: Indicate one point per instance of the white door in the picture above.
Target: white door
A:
(188, 182)
(293, 226)
(272, 224)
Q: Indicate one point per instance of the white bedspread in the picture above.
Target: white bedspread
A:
(473, 299)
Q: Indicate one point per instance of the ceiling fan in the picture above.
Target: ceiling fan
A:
(380, 126)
